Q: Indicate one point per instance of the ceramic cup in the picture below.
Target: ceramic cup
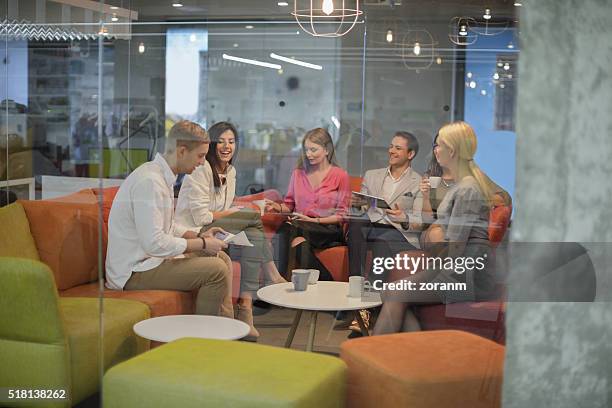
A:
(314, 276)
(356, 286)
(434, 181)
(300, 277)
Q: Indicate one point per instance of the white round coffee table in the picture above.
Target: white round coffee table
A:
(322, 296)
(169, 328)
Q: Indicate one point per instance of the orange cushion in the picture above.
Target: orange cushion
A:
(499, 219)
(66, 234)
(336, 261)
(160, 302)
(108, 195)
(423, 369)
(486, 319)
(355, 183)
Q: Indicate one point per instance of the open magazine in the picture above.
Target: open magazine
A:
(236, 239)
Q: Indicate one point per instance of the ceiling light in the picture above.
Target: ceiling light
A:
(502, 86)
(141, 48)
(469, 74)
(417, 49)
(235, 45)
(328, 7)
(517, 4)
(295, 61)
(438, 60)
(192, 37)
(177, 4)
(114, 8)
(389, 36)
(511, 46)
(506, 66)
(114, 18)
(248, 27)
(483, 92)
(499, 64)
(496, 76)
(463, 31)
(472, 84)
(487, 14)
(283, 3)
(251, 62)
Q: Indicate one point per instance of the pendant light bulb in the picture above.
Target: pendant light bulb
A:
(463, 31)
(487, 14)
(141, 48)
(417, 48)
(328, 6)
(389, 37)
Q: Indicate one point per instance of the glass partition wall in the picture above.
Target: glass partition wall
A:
(89, 91)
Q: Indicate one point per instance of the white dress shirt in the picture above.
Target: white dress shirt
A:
(141, 228)
(199, 197)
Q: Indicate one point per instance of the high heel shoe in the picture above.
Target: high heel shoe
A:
(245, 314)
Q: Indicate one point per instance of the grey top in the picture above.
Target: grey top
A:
(464, 215)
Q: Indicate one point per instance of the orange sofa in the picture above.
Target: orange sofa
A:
(67, 235)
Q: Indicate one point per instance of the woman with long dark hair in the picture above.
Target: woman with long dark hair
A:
(205, 201)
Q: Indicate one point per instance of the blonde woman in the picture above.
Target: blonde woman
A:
(460, 232)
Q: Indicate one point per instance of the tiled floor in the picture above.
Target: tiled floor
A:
(274, 327)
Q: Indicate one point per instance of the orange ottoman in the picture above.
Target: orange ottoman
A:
(445, 368)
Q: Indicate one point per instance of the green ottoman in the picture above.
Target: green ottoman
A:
(216, 373)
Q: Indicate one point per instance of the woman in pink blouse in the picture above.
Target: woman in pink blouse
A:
(318, 198)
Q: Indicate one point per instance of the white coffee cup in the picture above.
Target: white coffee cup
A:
(356, 286)
(434, 181)
(299, 278)
(314, 276)
(261, 204)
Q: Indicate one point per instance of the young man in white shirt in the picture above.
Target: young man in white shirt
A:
(387, 231)
(146, 248)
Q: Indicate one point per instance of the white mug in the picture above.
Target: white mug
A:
(314, 276)
(434, 181)
(356, 286)
(299, 278)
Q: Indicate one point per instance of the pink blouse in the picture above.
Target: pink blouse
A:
(331, 197)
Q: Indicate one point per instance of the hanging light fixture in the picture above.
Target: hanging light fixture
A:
(329, 20)
(487, 14)
(141, 48)
(328, 6)
(389, 36)
(418, 49)
(458, 31)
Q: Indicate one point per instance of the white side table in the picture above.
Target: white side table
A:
(169, 328)
(322, 296)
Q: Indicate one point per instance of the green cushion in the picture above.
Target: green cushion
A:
(33, 348)
(82, 323)
(15, 237)
(216, 373)
(53, 343)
